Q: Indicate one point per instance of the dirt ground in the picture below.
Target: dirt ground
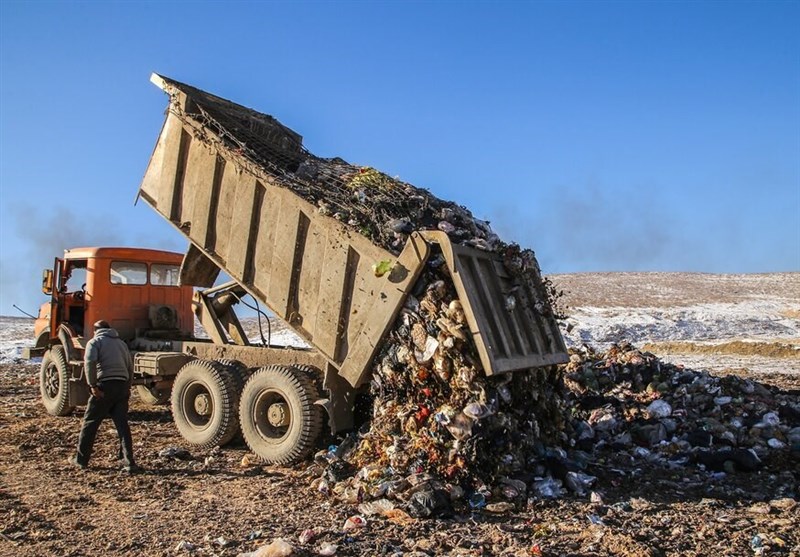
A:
(215, 503)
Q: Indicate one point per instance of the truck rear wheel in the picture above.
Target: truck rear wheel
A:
(54, 382)
(239, 371)
(205, 404)
(280, 422)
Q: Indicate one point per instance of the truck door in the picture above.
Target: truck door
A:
(73, 294)
(55, 287)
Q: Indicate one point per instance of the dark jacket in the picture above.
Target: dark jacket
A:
(107, 358)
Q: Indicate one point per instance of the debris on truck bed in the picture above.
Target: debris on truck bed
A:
(384, 209)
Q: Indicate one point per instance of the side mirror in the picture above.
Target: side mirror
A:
(47, 281)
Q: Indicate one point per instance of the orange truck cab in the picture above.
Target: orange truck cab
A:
(133, 289)
(136, 290)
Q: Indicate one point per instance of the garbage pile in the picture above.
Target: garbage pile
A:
(629, 400)
(445, 439)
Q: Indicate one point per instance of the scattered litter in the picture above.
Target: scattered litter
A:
(659, 409)
(306, 536)
(377, 507)
(547, 488)
(175, 452)
(278, 548)
(579, 482)
(776, 443)
(382, 268)
(355, 522)
(757, 544)
(398, 516)
(500, 508)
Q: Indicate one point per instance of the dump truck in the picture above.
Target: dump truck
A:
(227, 179)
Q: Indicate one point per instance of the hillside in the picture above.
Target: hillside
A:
(747, 323)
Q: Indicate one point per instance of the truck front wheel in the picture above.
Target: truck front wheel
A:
(279, 420)
(54, 382)
(205, 404)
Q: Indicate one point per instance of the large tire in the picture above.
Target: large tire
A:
(54, 382)
(279, 420)
(152, 396)
(205, 404)
(238, 370)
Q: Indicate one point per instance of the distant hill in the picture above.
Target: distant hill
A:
(675, 289)
(704, 321)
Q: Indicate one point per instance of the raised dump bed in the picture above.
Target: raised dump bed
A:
(235, 183)
(311, 270)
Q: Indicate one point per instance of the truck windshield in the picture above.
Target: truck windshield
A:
(74, 276)
(128, 272)
(164, 275)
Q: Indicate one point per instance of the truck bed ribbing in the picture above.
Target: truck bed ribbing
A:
(299, 233)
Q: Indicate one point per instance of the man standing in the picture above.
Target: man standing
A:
(109, 371)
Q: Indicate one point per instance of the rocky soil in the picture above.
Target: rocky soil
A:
(643, 502)
(223, 503)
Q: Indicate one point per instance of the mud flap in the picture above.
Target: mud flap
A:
(78, 392)
(339, 405)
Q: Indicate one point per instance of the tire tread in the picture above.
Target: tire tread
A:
(218, 376)
(58, 406)
(299, 384)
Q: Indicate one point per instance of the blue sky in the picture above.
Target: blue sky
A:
(606, 136)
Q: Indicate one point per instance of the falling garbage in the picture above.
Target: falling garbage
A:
(454, 441)
(446, 419)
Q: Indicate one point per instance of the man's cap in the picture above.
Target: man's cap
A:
(102, 324)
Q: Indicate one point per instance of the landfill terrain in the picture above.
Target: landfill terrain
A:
(655, 457)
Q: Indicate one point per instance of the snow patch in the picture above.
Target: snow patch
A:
(754, 320)
(16, 334)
